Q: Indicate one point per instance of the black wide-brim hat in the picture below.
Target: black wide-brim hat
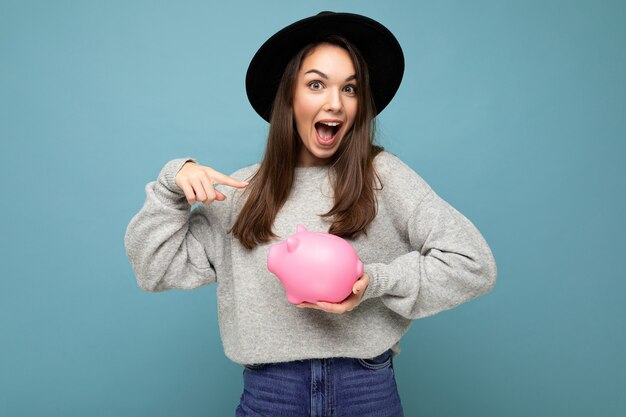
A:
(379, 48)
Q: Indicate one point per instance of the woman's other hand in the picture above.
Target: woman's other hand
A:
(198, 182)
(353, 300)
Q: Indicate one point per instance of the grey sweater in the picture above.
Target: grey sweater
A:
(421, 254)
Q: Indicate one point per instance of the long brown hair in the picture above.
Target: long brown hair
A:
(354, 180)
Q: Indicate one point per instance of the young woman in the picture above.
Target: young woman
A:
(320, 82)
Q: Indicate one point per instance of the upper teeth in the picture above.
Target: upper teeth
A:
(331, 123)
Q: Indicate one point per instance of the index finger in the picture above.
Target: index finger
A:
(219, 178)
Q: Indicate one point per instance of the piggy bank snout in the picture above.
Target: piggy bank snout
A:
(272, 259)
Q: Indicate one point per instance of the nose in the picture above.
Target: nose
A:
(334, 103)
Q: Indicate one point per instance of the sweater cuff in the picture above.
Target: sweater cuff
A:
(166, 181)
(378, 281)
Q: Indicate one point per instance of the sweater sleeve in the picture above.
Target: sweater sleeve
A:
(162, 239)
(450, 263)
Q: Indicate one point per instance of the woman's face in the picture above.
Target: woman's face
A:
(325, 102)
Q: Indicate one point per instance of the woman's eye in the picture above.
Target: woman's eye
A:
(350, 89)
(315, 85)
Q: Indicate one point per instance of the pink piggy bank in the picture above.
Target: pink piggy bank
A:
(315, 266)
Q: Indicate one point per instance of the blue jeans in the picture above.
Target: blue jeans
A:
(335, 387)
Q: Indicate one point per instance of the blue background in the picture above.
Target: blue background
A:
(514, 111)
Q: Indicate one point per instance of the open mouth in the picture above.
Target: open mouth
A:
(327, 131)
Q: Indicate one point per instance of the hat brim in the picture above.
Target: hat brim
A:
(378, 46)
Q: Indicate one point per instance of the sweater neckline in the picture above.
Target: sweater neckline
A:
(314, 172)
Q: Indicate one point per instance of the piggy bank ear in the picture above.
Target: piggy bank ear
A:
(292, 244)
(300, 228)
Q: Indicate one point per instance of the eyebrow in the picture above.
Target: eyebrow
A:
(321, 74)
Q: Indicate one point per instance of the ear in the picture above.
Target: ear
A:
(292, 244)
(300, 228)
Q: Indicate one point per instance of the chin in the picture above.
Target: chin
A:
(325, 154)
